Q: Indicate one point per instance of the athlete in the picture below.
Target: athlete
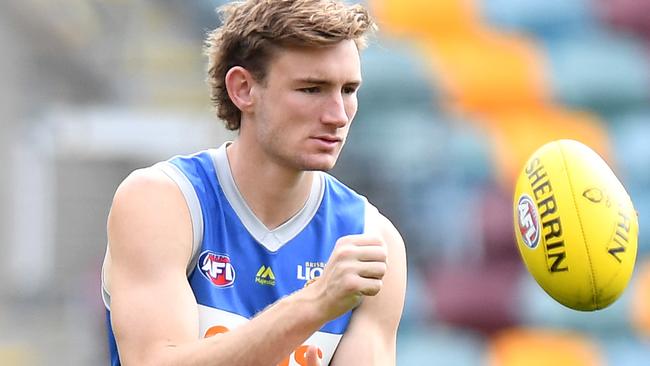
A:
(250, 253)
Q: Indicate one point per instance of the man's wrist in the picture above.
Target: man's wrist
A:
(310, 299)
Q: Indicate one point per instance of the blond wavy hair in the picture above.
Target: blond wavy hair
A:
(253, 30)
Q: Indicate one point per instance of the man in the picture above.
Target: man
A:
(250, 254)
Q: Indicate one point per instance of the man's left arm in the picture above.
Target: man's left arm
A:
(372, 333)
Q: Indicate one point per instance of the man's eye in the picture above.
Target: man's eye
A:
(349, 90)
(310, 90)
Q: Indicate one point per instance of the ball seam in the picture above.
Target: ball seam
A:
(584, 239)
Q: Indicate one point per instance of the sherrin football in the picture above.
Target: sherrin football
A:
(575, 225)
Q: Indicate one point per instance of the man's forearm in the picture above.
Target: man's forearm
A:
(267, 339)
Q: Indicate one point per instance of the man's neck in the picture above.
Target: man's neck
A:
(274, 194)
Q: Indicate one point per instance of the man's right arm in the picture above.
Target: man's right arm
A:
(153, 310)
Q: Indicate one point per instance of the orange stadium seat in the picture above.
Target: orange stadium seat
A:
(423, 18)
(516, 133)
(487, 71)
(536, 347)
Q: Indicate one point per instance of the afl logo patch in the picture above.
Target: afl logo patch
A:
(217, 268)
(528, 220)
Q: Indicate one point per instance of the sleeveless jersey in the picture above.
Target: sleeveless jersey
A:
(239, 267)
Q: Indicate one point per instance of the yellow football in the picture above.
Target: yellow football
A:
(575, 224)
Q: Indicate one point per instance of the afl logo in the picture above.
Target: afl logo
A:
(528, 221)
(217, 268)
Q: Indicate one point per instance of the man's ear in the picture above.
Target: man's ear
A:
(239, 83)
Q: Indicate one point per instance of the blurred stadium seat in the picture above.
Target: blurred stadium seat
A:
(517, 133)
(424, 18)
(624, 351)
(536, 309)
(475, 297)
(640, 312)
(631, 16)
(440, 346)
(598, 71)
(539, 18)
(395, 76)
(534, 347)
(486, 71)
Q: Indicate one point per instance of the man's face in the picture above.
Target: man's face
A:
(305, 106)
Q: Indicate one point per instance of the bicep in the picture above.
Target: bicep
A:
(152, 305)
(371, 335)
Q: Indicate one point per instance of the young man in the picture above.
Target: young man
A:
(250, 254)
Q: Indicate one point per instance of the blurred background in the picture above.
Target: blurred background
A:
(456, 95)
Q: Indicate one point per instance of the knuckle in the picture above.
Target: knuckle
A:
(377, 285)
(382, 255)
(382, 268)
(383, 252)
(377, 254)
(350, 283)
(379, 240)
(372, 288)
(346, 252)
(343, 252)
(344, 240)
(343, 268)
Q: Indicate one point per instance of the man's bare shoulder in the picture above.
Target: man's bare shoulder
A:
(149, 210)
(144, 181)
(381, 225)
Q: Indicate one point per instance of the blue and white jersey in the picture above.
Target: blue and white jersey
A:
(239, 267)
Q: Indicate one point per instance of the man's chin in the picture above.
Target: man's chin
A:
(319, 168)
(322, 165)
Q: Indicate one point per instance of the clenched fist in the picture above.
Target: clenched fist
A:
(355, 269)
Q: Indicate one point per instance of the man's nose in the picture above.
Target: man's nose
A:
(335, 112)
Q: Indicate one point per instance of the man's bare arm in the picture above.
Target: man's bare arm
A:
(154, 312)
(370, 339)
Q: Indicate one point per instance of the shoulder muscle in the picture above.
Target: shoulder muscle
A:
(149, 220)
